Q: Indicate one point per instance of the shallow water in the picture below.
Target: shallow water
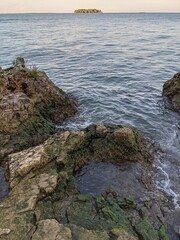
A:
(115, 65)
(97, 178)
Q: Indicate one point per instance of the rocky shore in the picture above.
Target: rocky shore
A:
(44, 200)
(30, 105)
(171, 90)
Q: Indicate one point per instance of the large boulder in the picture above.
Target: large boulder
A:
(30, 105)
(171, 90)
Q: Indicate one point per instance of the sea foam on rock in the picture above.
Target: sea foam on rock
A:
(30, 105)
(171, 90)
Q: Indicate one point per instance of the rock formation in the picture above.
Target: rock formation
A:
(30, 105)
(45, 202)
(171, 90)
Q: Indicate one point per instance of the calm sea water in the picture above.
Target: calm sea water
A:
(115, 65)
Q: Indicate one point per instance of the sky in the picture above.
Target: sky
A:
(56, 6)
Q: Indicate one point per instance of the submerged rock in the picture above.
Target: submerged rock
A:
(45, 202)
(30, 105)
(171, 90)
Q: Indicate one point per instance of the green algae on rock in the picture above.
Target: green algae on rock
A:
(171, 90)
(30, 105)
(45, 203)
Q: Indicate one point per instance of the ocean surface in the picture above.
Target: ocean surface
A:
(115, 65)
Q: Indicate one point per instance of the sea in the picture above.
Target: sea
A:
(115, 66)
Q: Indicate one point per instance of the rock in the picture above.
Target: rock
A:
(146, 231)
(82, 233)
(22, 163)
(173, 220)
(51, 229)
(30, 106)
(5, 231)
(163, 233)
(17, 212)
(44, 200)
(14, 108)
(121, 234)
(98, 213)
(171, 90)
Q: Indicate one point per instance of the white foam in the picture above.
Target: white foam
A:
(165, 185)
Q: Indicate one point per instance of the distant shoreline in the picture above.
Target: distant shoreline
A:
(87, 11)
(103, 13)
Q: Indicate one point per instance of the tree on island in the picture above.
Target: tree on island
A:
(87, 11)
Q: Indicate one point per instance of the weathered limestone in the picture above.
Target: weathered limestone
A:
(22, 163)
(30, 105)
(51, 229)
(171, 90)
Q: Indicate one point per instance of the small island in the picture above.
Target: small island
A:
(87, 11)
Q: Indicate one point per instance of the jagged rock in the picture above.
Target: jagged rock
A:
(121, 234)
(17, 212)
(82, 233)
(146, 231)
(43, 188)
(21, 163)
(4, 231)
(171, 90)
(50, 229)
(14, 109)
(30, 105)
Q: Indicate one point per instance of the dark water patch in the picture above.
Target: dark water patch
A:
(97, 178)
(4, 188)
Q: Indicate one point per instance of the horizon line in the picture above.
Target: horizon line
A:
(90, 13)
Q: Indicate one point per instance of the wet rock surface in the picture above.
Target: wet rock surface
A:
(4, 187)
(30, 105)
(171, 90)
(45, 201)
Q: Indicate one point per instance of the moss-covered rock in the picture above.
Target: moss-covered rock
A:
(30, 106)
(82, 233)
(45, 202)
(121, 234)
(98, 213)
(171, 90)
(163, 233)
(146, 231)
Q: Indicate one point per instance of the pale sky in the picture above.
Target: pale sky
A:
(27, 6)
